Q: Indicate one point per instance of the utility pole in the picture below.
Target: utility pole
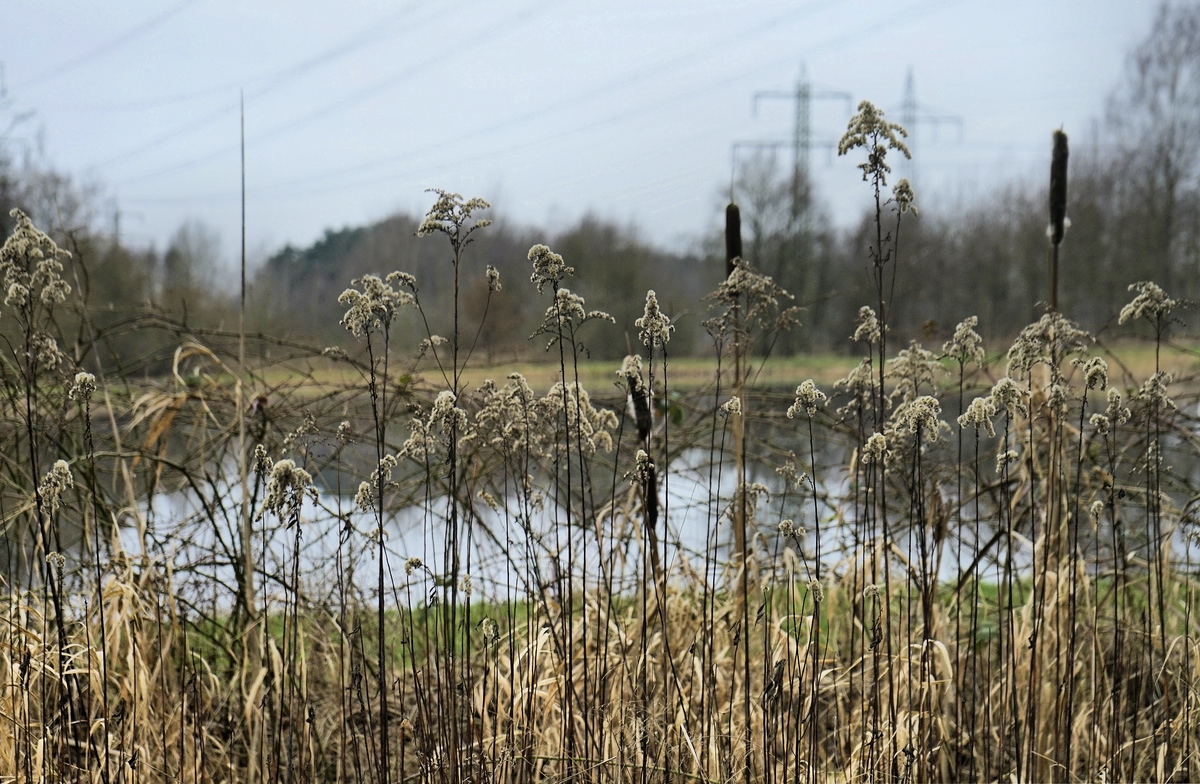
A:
(118, 213)
(802, 142)
(792, 261)
(913, 114)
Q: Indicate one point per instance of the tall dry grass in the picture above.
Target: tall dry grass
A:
(447, 583)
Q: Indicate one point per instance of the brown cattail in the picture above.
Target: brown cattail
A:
(639, 401)
(1058, 187)
(733, 236)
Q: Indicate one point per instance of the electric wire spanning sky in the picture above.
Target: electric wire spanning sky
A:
(627, 110)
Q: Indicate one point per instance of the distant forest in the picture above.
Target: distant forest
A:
(1134, 207)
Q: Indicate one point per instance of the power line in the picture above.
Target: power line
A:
(372, 30)
(377, 31)
(890, 23)
(708, 49)
(802, 142)
(912, 114)
(120, 40)
(330, 108)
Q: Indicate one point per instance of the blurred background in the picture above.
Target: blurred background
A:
(614, 132)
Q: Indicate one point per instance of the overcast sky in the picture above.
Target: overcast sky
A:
(624, 108)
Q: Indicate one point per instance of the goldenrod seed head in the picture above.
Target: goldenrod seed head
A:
(84, 386)
(808, 397)
(655, 327)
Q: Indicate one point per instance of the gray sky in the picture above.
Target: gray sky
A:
(625, 108)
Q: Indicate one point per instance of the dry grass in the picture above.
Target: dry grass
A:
(510, 597)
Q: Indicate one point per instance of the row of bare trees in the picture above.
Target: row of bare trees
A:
(1134, 208)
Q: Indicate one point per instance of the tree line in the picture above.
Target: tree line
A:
(1134, 207)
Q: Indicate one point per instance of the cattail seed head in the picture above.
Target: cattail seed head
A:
(1058, 187)
(733, 236)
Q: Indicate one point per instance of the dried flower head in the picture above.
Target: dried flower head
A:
(922, 416)
(655, 328)
(489, 499)
(31, 266)
(791, 473)
(1151, 303)
(732, 406)
(371, 491)
(548, 267)
(512, 419)
(566, 314)
(445, 423)
(631, 371)
(1116, 413)
(1008, 397)
(430, 344)
(749, 494)
(818, 590)
(413, 564)
(262, 461)
(1154, 394)
(56, 482)
(450, 216)
(1048, 340)
(912, 368)
(808, 397)
(867, 329)
(979, 414)
(904, 197)
(375, 307)
(747, 300)
(493, 278)
(587, 426)
(861, 383)
(643, 468)
(17, 296)
(1097, 510)
(1057, 395)
(868, 129)
(84, 386)
(875, 448)
(44, 351)
(966, 346)
(1095, 372)
(286, 488)
(1004, 459)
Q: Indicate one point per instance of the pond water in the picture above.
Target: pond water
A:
(515, 551)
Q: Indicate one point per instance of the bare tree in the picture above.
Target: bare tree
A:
(1155, 115)
(190, 263)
